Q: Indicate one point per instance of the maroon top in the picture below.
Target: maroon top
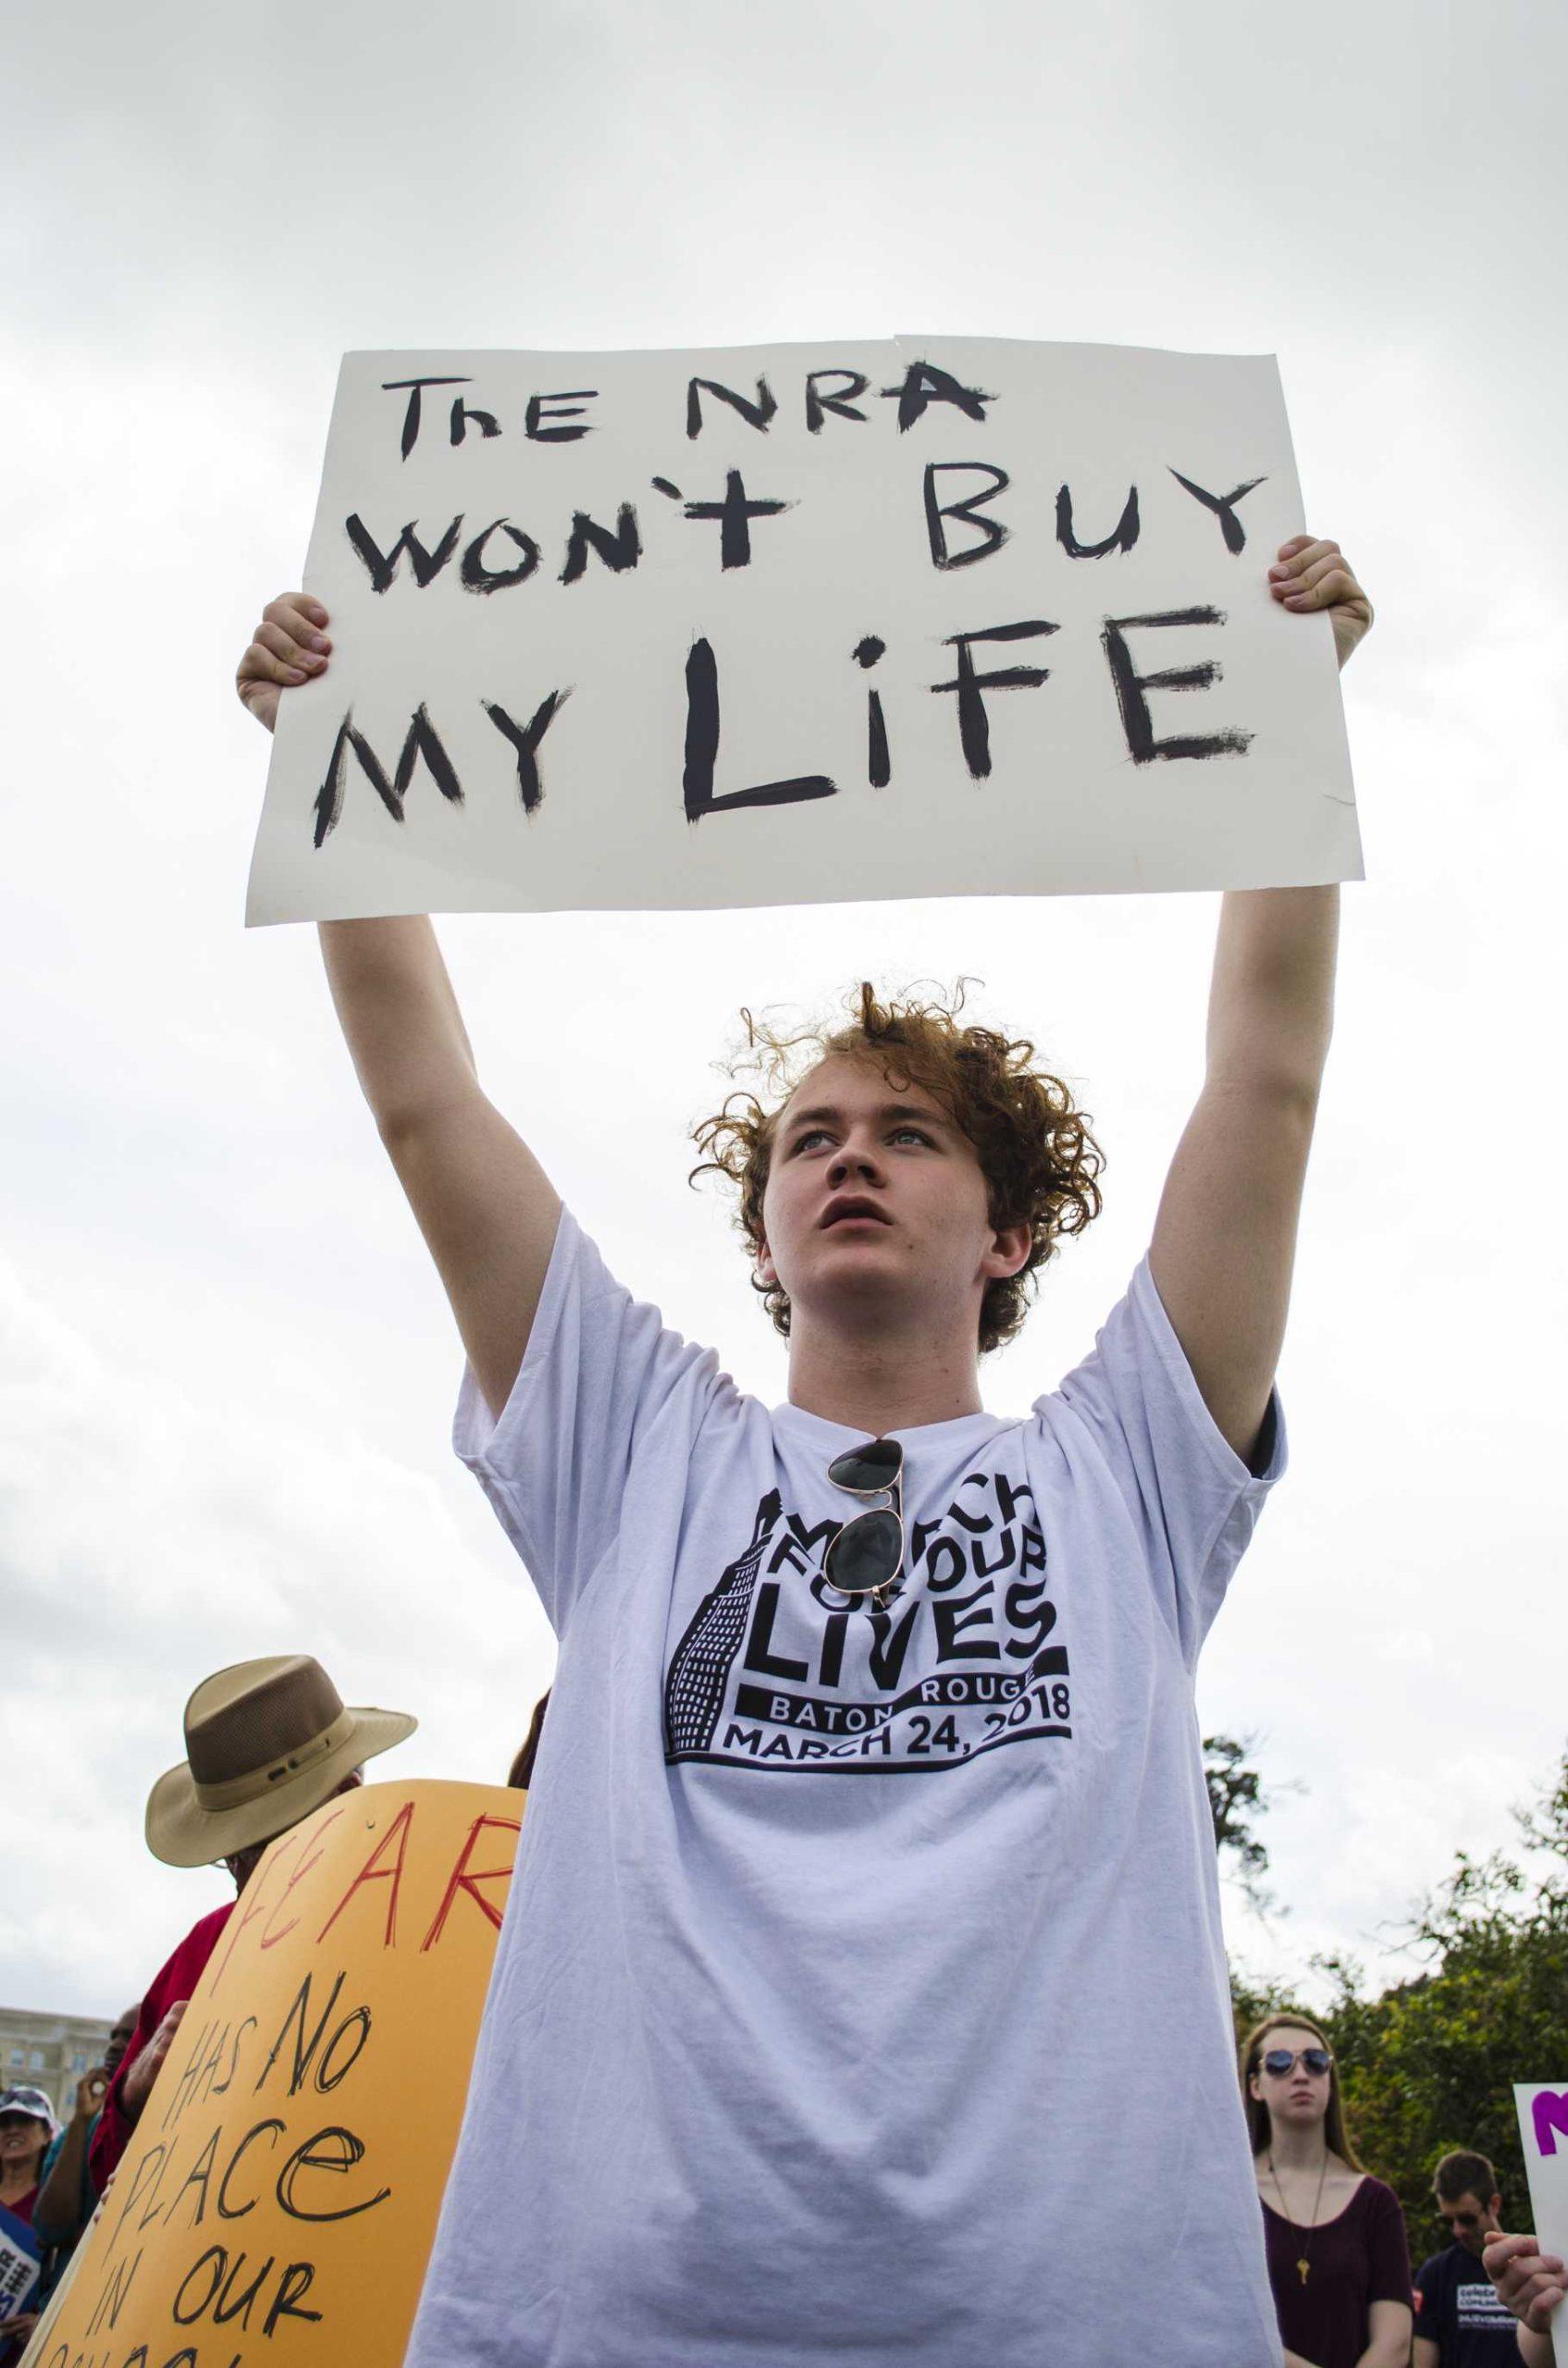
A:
(1352, 2261)
(177, 1980)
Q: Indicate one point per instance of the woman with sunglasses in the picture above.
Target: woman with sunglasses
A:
(1337, 2258)
(869, 1815)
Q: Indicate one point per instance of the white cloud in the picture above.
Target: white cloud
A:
(155, 1526)
(227, 1369)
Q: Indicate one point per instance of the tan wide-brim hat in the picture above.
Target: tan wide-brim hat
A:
(265, 1742)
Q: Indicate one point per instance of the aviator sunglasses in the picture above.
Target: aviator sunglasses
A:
(866, 1556)
(1279, 2060)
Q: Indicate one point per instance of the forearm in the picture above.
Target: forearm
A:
(58, 2213)
(1386, 2352)
(485, 1207)
(1535, 2349)
(399, 1015)
(1271, 1004)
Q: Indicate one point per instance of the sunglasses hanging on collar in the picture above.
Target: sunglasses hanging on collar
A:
(866, 1559)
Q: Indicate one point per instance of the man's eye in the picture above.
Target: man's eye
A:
(813, 1135)
(912, 1134)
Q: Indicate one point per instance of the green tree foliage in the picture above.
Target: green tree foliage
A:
(1235, 1799)
(1250, 2001)
(1430, 2063)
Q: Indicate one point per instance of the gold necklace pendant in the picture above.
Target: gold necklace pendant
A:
(1304, 2266)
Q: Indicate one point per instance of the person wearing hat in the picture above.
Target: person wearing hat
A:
(266, 1742)
(28, 2129)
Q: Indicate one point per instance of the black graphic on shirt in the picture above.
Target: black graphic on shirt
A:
(699, 1666)
(774, 1670)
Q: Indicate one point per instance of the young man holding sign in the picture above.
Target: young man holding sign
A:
(865, 1917)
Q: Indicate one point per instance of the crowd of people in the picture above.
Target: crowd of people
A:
(277, 1733)
(868, 1813)
(267, 1742)
(1335, 2237)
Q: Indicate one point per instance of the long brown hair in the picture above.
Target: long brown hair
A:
(522, 1771)
(1259, 2127)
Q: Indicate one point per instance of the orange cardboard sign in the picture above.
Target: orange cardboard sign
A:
(278, 2198)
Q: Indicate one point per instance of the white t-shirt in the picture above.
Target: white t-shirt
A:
(861, 1994)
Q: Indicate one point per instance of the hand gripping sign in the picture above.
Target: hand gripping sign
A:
(1542, 2107)
(799, 623)
(278, 2199)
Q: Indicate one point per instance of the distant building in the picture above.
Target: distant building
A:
(50, 2051)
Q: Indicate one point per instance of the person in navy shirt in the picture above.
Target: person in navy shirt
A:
(1461, 2322)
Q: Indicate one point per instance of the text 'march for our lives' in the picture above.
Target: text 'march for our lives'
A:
(801, 623)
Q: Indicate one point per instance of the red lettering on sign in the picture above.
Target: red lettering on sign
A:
(462, 1879)
(370, 1872)
(258, 1896)
(270, 1939)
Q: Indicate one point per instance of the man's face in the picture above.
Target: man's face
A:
(1472, 2223)
(876, 1206)
(242, 1863)
(119, 2038)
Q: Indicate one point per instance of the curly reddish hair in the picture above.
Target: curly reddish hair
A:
(1041, 1163)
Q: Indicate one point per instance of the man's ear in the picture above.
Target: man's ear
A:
(766, 1272)
(1008, 1254)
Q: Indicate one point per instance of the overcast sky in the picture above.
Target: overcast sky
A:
(227, 1371)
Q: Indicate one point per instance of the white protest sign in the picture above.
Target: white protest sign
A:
(1543, 2131)
(18, 2265)
(933, 616)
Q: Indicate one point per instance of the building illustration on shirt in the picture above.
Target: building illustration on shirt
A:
(699, 1666)
(773, 1671)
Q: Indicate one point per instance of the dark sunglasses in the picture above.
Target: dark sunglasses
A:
(1279, 2060)
(1460, 2219)
(866, 1556)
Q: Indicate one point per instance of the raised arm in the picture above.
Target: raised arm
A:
(1225, 1237)
(56, 2213)
(485, 1207)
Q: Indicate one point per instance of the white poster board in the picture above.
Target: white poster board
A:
(780, 624)
(1543, 2130)
(19, 2266)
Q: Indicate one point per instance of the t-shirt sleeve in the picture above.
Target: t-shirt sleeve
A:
(1426, 2296)
(1194, 1498)
(603, 1381)
(1388, 2247)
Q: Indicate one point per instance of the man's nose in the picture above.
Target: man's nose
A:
(854, 1159)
